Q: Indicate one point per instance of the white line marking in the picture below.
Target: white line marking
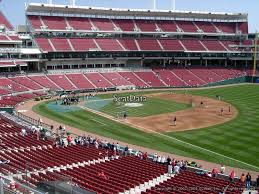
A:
(98, 121)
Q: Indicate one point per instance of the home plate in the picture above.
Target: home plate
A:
(133, 105)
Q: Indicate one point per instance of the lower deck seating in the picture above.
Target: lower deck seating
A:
(98, 80)
(62, 81)
(80, 81)
(131, 77)
(150, 78)
(189, 182)
(123, 174)
(116, 79)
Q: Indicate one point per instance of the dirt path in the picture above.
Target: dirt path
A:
(26, 108)
(196, 117)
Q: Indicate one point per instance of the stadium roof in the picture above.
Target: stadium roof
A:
(87, 10)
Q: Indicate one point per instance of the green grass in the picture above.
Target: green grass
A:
(152, 106)
(237, 139)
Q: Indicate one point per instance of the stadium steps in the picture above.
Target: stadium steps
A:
(199, 29)
(52, 46)
(148, 185)
(53, 83)
(136, 42)
(159, 43)
(70, 44)
(141, 79)
(204, 46)
(63, 167)
(197, 76)
(70, 82)
(180, 78)
(97, 45)
(121, 45)
(182, 45)
(89, 80)
(161, 80)
(226, 48)
(106, 79)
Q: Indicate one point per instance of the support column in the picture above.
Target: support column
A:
(38, 66)
(206, 62)
(141, 62)
(164, 63)
(226, 63)
(246, 63)
(185, 63)
(235, 63)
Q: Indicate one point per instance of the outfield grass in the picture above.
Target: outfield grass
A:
(237, 139)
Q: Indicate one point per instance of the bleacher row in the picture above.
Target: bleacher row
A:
(6, 38)
(144, 44)
(177, 77)
(32, 161)
(137, 25)
(5, 22)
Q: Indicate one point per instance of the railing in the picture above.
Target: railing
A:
(32, 121)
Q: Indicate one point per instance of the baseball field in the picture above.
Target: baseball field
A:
(201, 131)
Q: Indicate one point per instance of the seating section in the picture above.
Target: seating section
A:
(187, 26)
(213, 45)
(79, 23)
(167, 26)
(186, 179)
(44, 82)
(103, 24)
(206, 27)
(26, 82)
(188, 77)
(116, 79)
(61, 44)
(44, 45)
(131, 77)
(193, 45)
(128, 25)
(124, 173)
(146, 26)
(5, 22)
(62, 81)
(125, 25)
(129, 44)
(169, 78)
(228, 73)
(54, 22)
(35, 21)
(81, 44)
(3, 38)
(109, 44)
(98, 80)
(226, 27)
(206, 74)
(171, 45)
(150, 78)
(11, 85)
(80, 81)
(243, 27)
(149, 45)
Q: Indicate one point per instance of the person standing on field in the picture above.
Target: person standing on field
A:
(174, 121)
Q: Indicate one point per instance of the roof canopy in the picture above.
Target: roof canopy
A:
(52, 9)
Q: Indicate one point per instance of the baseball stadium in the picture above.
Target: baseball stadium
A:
(117, 100)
